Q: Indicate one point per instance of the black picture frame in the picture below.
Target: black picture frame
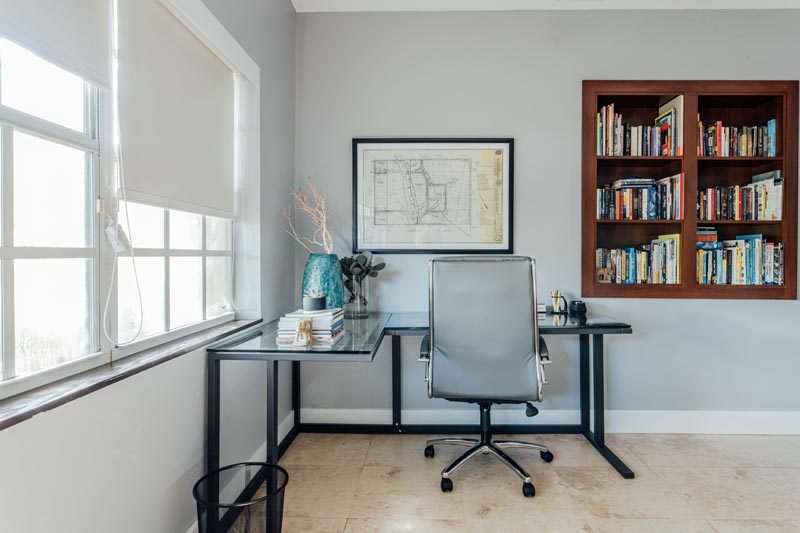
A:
(477, 249)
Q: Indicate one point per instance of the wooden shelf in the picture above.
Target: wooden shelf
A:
(742, 159)
(735, 103)
(661, 222)
(665, 159)
(738, 222)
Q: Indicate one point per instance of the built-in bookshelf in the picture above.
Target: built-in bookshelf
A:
(670, 164)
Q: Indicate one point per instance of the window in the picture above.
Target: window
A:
(49, 154)
(183, 261)
(56, 170)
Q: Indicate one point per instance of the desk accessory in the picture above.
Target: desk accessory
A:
(322, 273)
(357, 270)
(559, 302)
(314, 300)
(577, 308)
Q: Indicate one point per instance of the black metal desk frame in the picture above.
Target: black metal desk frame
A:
(592, 380)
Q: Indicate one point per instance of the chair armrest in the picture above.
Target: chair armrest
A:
(425, 349)
(544, 354)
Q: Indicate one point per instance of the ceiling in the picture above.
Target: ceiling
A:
(311, 6)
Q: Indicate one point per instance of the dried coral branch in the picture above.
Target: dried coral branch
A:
(312, 204)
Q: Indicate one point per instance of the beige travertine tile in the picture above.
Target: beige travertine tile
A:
(569, 450)
(755, 526)
(408, 450)
(729, 493)
(297, 524)
(327, 449)
(791, 439)
(787, 480)
(404, 491)
(403, 524)
(492, 491)
(757, 450)
(541, 520)
(674, 450)
(646, 525)
(602, 492)
(320, 491)
(493, 500)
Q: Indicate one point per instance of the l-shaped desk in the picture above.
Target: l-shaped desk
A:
(360, 344)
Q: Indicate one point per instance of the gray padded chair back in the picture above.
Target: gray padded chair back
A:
(483, 331)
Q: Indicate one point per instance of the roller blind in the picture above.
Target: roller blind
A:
(74, 33)
(176, 110)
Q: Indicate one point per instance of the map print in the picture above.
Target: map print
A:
(449, 197)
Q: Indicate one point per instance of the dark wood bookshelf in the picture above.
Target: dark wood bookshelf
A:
(735, 103)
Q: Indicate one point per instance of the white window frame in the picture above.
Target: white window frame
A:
(246, 174)
(166, 253)
(91, 142)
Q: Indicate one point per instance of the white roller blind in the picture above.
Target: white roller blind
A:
(176, 113)
(72, 33)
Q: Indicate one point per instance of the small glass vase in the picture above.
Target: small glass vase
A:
(357, 300)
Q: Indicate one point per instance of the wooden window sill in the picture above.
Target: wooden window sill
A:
(19, 408)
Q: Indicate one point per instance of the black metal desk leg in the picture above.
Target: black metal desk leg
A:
(598, 384)
(597, 438)
(273, 519)
(397, 384)
(212, 441)
(296, 392)
(584, 382)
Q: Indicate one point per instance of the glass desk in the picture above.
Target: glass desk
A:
(360, 343)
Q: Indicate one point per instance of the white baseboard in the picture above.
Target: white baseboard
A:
(617, 421)
(704, 422)
(284, 428)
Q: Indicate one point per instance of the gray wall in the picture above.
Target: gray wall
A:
(519, 75)
(266, 30)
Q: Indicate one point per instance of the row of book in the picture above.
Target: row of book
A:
(762, 199)
(663, 138)
(636, 198)
(657, 262)
(327, 327)
(745, 260)
(736, 141)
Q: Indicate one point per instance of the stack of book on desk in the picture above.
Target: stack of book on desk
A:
(327, 327)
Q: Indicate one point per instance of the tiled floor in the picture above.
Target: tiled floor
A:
(684, 483)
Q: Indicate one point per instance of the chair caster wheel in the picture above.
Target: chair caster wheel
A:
(447, 485)
(527, 490)
(429, 451)
(547, 456)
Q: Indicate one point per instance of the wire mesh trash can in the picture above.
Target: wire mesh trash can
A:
(241, 498)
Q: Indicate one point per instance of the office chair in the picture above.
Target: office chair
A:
(484, 348)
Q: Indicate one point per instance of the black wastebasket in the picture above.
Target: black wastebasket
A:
(250, 499)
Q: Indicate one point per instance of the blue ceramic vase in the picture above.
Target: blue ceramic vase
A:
(324, 274)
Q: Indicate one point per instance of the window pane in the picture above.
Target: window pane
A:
(34, 86)
(151, 281)
(51, 329)
(185, 291)
(218, 232)
(185, 230)
(50, 194)
(217, 286)
(147, 222)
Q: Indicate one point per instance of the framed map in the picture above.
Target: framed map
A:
(433, 195)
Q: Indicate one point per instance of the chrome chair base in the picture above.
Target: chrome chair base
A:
(485, 445)
(491, 447)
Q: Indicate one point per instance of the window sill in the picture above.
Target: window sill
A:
(24, 406)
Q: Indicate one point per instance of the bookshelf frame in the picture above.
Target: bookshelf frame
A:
(734, 101)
